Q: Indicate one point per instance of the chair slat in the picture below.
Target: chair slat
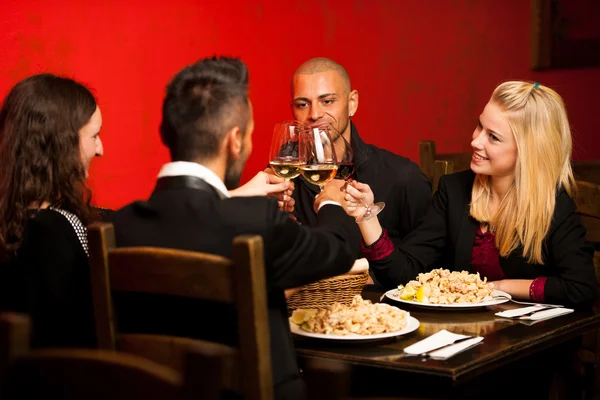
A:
(171, 272)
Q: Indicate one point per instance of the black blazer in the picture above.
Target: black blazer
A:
(187, 213)
(445, 238)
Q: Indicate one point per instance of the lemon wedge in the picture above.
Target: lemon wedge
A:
(408, 293)
(421, 297)
(300, 315)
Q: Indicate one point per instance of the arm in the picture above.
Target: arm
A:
(301, 255)
(265, 183)
(571, 277)
(419, 252)
(519, 288)
(415, 195)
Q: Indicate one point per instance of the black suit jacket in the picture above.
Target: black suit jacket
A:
(186, 213)
(445, 238)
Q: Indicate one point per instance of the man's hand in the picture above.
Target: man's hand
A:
(290, 292)
(265, 184)
(333, 191)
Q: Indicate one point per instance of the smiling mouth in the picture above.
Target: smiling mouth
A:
(478, 157)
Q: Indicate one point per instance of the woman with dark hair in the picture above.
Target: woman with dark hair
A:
(49, 134)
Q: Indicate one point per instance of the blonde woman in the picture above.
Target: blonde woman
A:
(511, 217)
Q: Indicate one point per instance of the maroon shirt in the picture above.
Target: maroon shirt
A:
(485, 259)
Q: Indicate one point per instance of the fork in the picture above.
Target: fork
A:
(533, 312)
(527, 303)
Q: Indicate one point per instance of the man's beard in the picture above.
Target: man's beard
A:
(233, 173)
(232, 178)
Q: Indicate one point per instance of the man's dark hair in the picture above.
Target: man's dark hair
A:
(204, 101)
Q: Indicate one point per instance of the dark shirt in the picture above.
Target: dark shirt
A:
(48, 279)
(395, 180)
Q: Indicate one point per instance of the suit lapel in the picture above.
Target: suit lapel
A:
(186, 182)
(464, 243)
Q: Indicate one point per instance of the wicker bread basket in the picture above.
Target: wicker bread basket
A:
(341, 289)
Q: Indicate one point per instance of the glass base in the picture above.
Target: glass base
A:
(370, 212)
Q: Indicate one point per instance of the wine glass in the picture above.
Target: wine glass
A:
(321, 160)
(346, 169)
(287, 153)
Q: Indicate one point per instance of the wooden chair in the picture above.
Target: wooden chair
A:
(240, 282)
(95, 374)
(428, 156)
(440, 167)
(587, 171)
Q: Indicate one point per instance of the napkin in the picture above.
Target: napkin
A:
(538, 316)
(360, 265)
(442, 338)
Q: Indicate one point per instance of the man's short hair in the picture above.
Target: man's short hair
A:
(203, 102)
(322, 64)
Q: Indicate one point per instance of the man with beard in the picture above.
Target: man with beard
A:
(322, 94)
(207, 126)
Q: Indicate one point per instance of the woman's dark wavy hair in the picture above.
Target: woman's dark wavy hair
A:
(40, 120)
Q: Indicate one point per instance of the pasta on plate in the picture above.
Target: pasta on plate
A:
(440, 286)
(362, 317)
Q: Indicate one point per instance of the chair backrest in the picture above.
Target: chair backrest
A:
(587, 171)
(428, 156)
(587, 200)
(240, 282)
(440, 167)
(97, 374)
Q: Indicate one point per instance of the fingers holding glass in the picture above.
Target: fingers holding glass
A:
(286, 155)
(359, 196)
(321, 160)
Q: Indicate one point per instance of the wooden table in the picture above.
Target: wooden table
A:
(510, 349)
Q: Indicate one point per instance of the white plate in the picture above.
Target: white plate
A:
(393, 294)
(412, 324)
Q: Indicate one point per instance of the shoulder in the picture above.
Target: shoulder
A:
(134, 208)
(564, 206)
(59, 227)
(248, 206)
(458, 181)
(402, 168)
(54, 219)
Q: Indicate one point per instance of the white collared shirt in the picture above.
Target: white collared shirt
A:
(186, 168)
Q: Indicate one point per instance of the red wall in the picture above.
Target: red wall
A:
(424, 68)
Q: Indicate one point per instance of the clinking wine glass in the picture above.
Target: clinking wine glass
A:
(321, 160)
(346, 169)
(287, 154)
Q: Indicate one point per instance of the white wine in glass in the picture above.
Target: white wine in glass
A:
(287, 154)
(321, 161)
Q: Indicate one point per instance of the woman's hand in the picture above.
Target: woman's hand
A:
(357, 196)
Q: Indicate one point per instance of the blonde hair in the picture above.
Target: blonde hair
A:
(538, 120)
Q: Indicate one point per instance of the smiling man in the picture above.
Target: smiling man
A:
(322, 93)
